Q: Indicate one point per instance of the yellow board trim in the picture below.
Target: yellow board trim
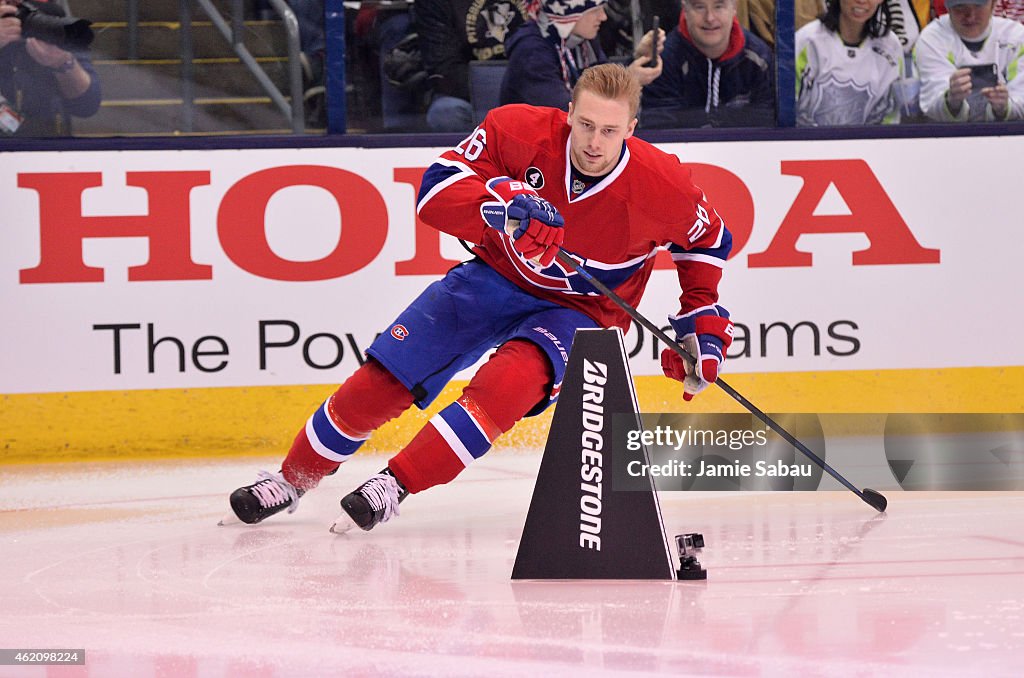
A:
(227, 422)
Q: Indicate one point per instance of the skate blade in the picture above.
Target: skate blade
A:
(229, 519)
(342, 524)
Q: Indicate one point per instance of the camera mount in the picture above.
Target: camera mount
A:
(689, 546)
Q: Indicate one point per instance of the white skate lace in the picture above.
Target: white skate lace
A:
(273, 490)
(382, 492)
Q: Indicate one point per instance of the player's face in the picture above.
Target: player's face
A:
(599, 126)
(590, 23)
(710, 24)
(971, 21)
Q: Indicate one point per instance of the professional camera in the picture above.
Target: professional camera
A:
(48, 22)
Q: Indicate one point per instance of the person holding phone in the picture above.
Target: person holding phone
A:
(549, 52)
(970, 62)
(716, 74)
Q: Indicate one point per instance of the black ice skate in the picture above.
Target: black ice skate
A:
(373, 502)
(269, 495)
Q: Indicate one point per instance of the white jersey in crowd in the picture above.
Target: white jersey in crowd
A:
(940, 51)
(841, 85)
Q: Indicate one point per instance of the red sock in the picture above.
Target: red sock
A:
(367, 399)
(504, 389)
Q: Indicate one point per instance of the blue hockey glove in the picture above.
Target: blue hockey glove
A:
(706, 334)
(533, 224)
(536, 228)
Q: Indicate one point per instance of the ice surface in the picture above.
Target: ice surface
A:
(127, 561)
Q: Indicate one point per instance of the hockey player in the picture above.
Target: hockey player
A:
(525, 183)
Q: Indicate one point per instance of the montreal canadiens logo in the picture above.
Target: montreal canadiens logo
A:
(534, 177)
(399, 332)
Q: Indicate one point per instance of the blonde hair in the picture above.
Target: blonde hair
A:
(610, 81)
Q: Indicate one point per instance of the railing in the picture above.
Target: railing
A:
(133, 29)
(234, 34)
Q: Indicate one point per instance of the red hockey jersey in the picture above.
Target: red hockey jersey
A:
(615, 227)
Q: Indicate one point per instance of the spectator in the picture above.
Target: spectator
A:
(1008, 9)
(849, 65)
(716, 73)
(969, 36)
(549, 52)
(453, 33)
(43, 84)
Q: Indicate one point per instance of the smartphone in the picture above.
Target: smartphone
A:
(983, 75)
(655, 21)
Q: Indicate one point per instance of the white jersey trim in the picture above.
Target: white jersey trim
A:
(450, 437)
(703, 258)
(622, 264)
(319, 447)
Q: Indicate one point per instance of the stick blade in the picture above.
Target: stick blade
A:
(875, 500)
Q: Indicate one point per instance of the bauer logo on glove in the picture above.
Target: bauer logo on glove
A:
(706, 334)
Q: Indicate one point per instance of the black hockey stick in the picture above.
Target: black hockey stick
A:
(870, 497)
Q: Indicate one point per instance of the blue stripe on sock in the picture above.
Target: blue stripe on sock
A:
(330, 437)
(466, 429)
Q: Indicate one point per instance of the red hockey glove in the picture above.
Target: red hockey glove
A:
(533, 224)
(706, 334)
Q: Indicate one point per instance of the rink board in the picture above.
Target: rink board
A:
(167, 303)
(224, 422)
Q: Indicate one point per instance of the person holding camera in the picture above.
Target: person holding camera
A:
(970, 62)
(41, 83)
(549, 52)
